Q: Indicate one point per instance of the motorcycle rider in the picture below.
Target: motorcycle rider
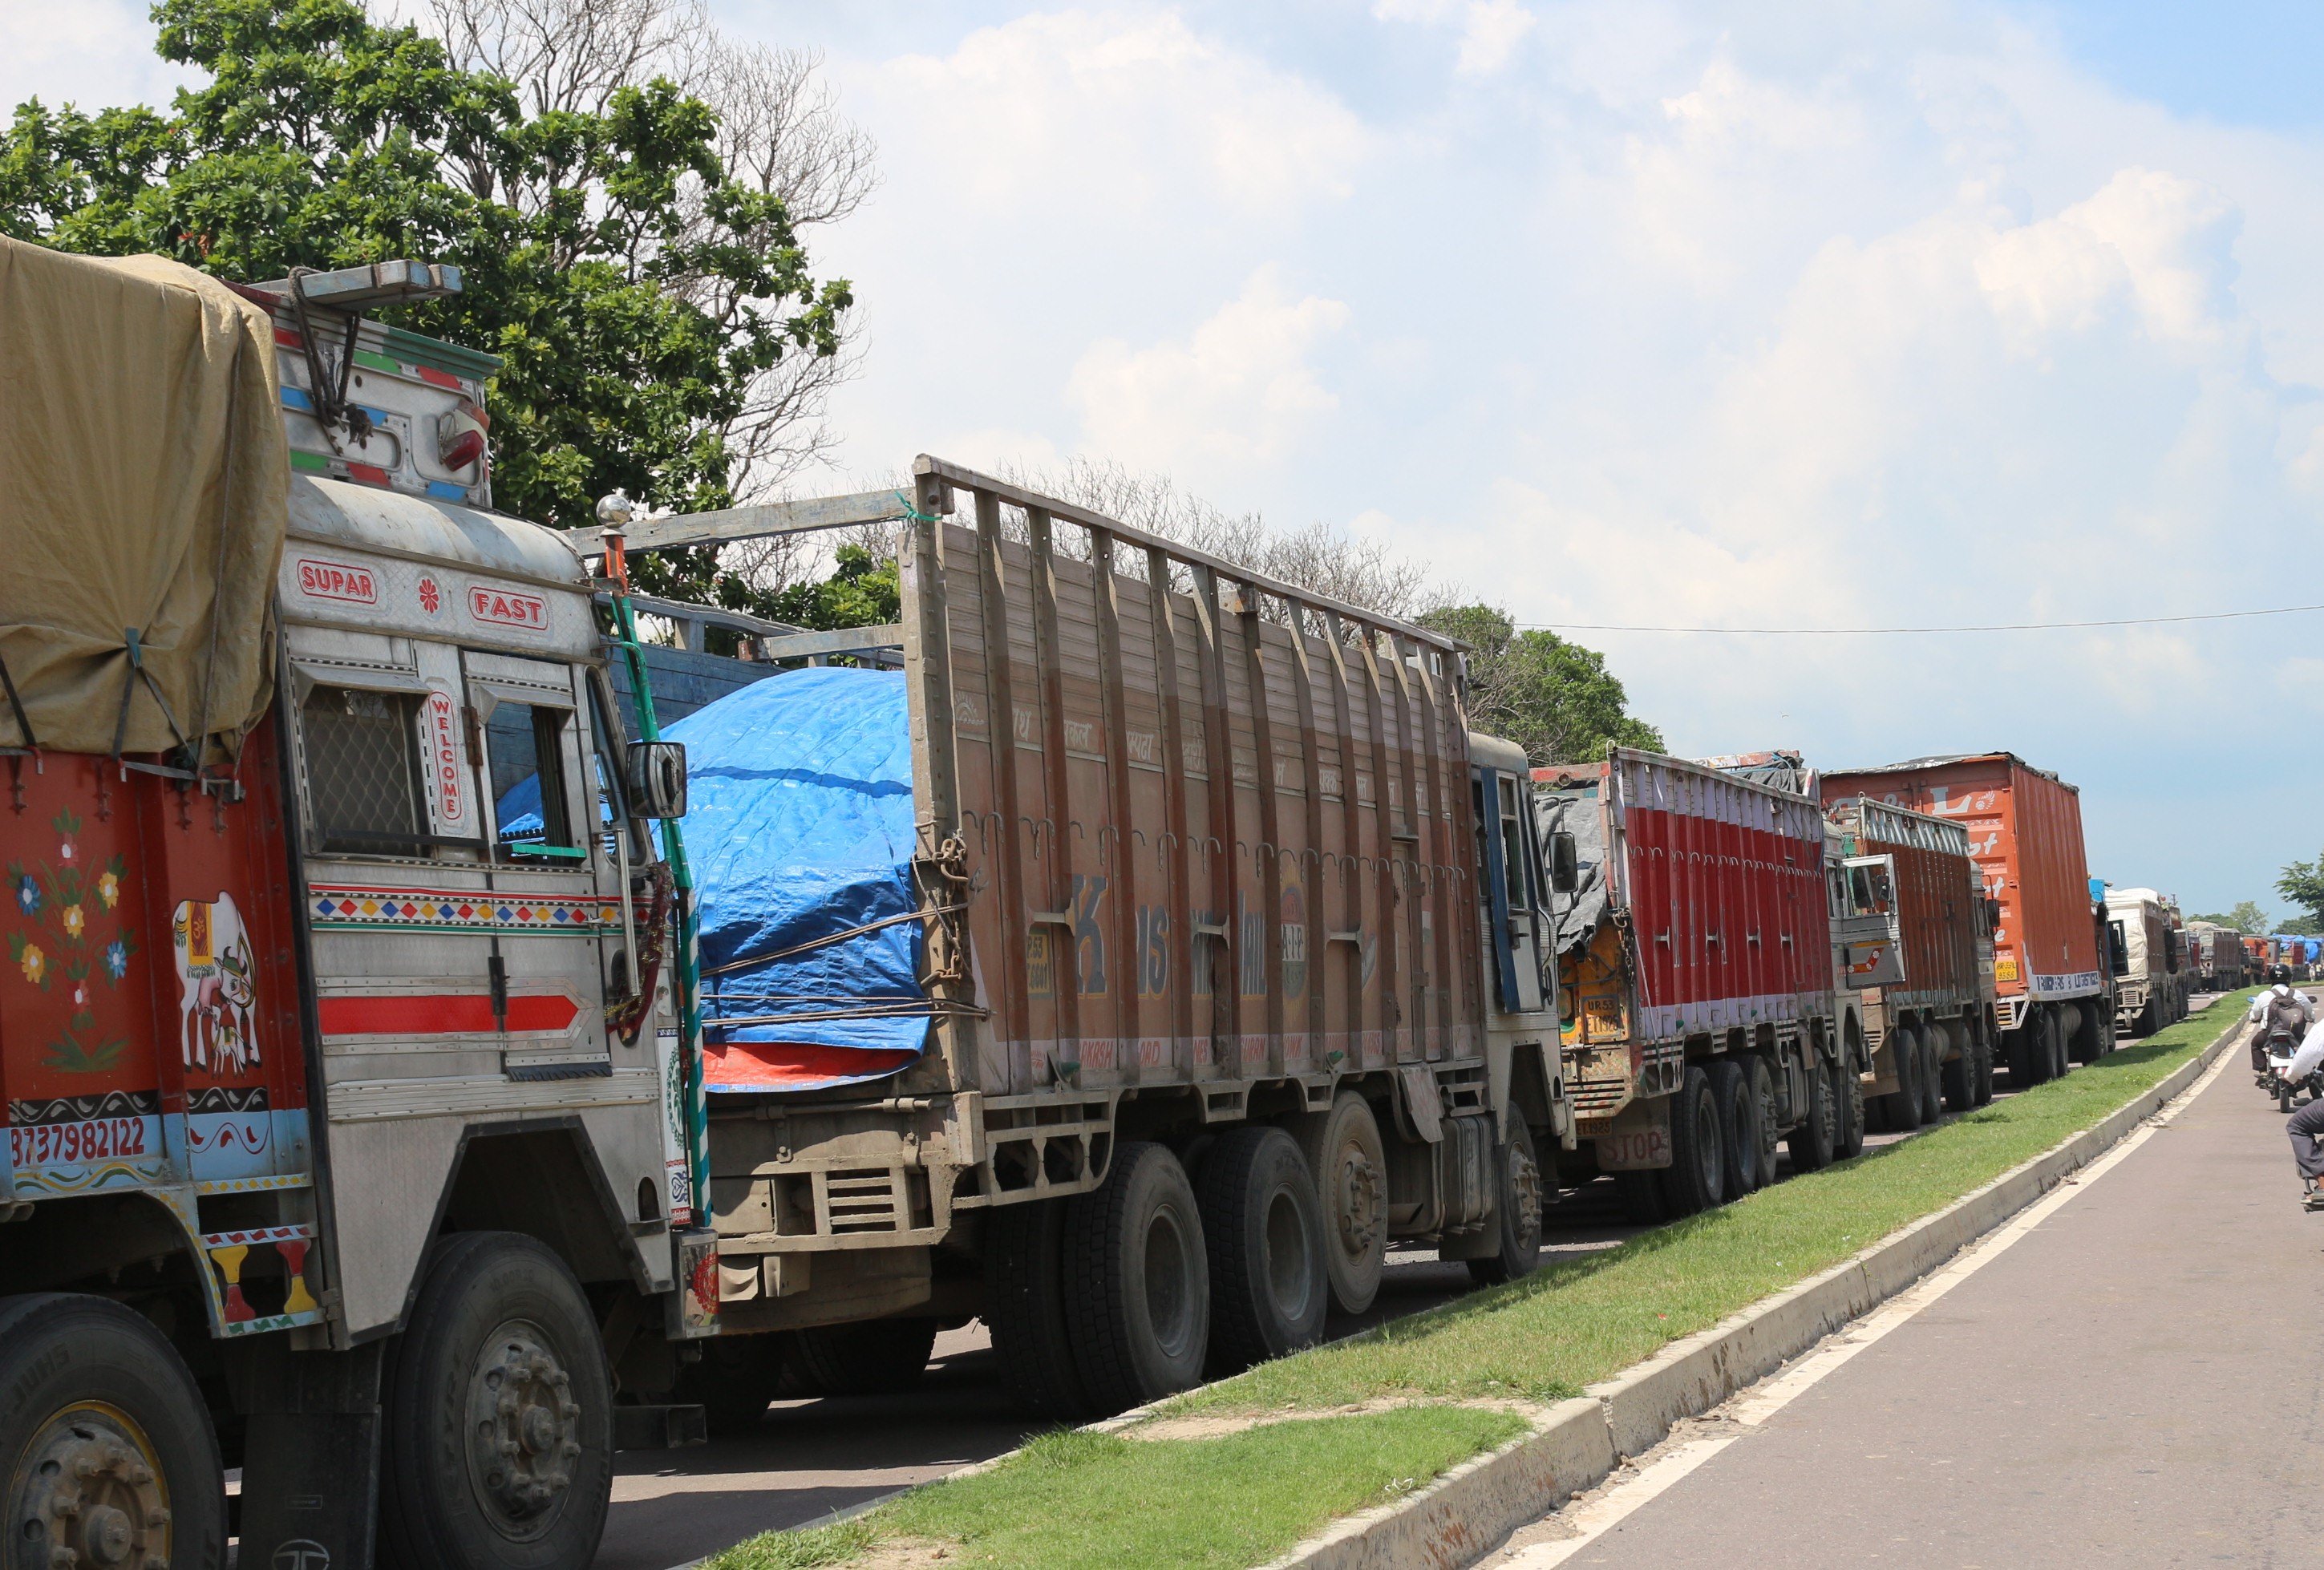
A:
(2306, 1128)
(2280, 1008)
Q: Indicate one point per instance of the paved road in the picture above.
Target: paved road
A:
(2136, 1381)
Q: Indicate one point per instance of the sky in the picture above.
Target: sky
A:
(1651, 312)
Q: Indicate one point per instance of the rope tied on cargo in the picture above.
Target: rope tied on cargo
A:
(732, 965)
(31, 747)
(913, 514)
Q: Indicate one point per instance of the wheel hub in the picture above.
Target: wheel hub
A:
(523, 1428)
(88, 1491)
(1356, 1201)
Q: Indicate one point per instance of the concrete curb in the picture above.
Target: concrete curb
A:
(1465, 1514)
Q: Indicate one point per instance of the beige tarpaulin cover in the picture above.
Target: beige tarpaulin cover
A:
(142, 481)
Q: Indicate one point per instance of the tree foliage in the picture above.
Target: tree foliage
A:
(2246, 917)
(863, 591)
(2302, 883)
(1556, 700)
(324, 139)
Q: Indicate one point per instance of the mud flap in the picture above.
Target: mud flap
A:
(310, 1464)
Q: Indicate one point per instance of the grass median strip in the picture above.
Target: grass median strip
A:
(1241, 1498)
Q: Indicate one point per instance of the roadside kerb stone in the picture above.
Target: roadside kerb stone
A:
(1465, 1514)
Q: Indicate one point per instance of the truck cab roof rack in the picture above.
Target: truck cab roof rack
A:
(361, 289)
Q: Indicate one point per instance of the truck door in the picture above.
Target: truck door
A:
(1513, 897)
(541, 802)
(1871, 945)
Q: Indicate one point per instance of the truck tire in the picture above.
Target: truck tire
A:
(2061, 1063)
(1762, 1077)
(1848, 1101)
(1815, 1142)
(1025, 1307)
(2149, 1019)
(1738, 1110)
(1933, 1090)
(2032, 1048)
(1137, 1284)
(1984, 1068)
(1519, 1204)
(1900, 1110)
(499, 1428)
(1960, 1077)
(1695, 1180)
(1263, 1231)
(1640, 1196)
(873, 1357)
(735, 1380)
(90, 1391)
(1349, 1166)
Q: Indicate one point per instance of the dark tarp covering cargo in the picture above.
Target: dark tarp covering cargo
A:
(800, 825)
(145, 468)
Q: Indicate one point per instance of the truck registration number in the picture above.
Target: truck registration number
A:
(1636, 1150)
(42, 1144)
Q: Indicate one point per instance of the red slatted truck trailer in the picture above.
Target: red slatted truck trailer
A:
(1695, 967)
(2054, 1001)
(1927, 981)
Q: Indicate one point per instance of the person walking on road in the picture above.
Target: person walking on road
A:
(2280, 1007)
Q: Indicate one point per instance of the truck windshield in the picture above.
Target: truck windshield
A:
(526, 744)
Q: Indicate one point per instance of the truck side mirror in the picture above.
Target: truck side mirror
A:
(1565, 864)
(655, 773)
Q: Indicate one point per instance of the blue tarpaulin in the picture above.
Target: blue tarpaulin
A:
(799, 826)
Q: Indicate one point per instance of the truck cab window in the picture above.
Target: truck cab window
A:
(525, 745)
(363, 771)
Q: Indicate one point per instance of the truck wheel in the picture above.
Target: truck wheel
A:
(1349, 1166)
(2030, 1050)
(2060, 1063)
(1738, 1109)
(1025, 1307)
(499, 1414)
(1932, 1089)
(2148, 1021)
(1762, 1078)
(110, 1455)
(1984, 1068)
(1640, 1196)
(1816, 1141)
(1901, 1109)
(1138, 1286)
(736, 1378)
(1263, 1231)
(873, 1357)
(1695, 1180)
(1519, 1204)
(1847, 1101)
(1960, 1077)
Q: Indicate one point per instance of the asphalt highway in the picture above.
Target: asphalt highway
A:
(2134, 1382)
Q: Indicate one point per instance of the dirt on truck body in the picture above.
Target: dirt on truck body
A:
(1232, 958)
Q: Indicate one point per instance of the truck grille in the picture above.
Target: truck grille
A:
(863, 1201)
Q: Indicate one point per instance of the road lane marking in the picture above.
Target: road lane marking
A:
(1751, 1409)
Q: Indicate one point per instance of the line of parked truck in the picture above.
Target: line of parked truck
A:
(398, 1111)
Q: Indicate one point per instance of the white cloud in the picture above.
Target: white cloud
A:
(1238, 389)
(1074, 111)
(1491, 30)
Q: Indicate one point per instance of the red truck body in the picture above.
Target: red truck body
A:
(1700, 940)
(2024, 827)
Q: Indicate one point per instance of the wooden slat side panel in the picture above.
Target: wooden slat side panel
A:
(1211, 835)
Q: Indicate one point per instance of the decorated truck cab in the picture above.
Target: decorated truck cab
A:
(340, 1030)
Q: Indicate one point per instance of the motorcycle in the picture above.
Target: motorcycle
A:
(2281, 1045)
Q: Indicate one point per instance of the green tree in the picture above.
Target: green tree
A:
(2302, 883)
(2247, 917)
(324, 139)
(1554, 698)
(863, 591)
